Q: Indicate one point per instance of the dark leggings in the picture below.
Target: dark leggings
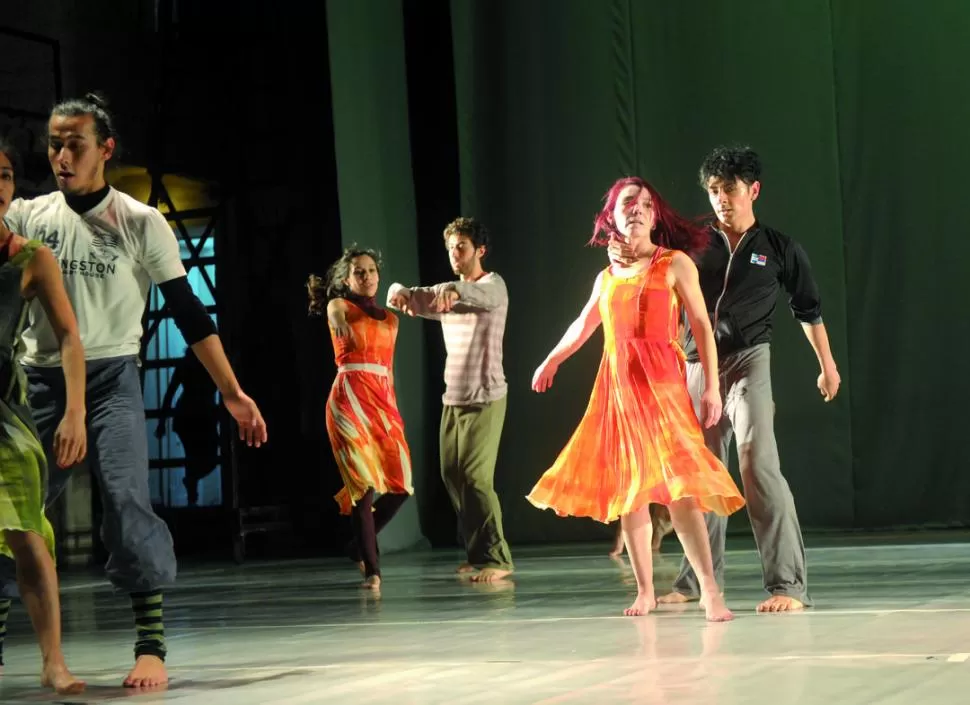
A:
(368, 518)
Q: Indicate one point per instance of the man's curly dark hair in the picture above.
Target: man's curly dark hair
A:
(731, 163)
(472, 229)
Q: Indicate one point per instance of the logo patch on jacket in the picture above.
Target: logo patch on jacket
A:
(760, 260)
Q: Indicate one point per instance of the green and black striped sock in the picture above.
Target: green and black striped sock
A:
(4, 613)
(149, 626)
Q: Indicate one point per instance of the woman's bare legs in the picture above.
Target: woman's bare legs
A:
(637, 533)
(37, 580)
(691, 530)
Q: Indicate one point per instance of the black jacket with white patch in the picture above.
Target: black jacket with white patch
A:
(741, 289)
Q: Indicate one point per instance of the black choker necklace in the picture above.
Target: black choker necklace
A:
(368, 305)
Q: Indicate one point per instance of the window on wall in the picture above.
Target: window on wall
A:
(184, 413)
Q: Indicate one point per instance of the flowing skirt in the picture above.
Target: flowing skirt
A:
(23, 477)
(638, 443)
(367, 435)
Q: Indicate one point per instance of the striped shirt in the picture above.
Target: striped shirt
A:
(474, 331)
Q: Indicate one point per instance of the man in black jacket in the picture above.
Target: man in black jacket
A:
(742, 271)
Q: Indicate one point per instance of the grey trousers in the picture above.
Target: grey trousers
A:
(142, 556)
(745, 381)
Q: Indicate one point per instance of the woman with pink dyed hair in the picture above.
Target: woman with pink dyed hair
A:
(640, 441)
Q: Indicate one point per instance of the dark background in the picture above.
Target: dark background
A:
(378, 121)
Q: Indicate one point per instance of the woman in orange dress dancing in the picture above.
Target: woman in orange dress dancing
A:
(363, 422)
(640, 441)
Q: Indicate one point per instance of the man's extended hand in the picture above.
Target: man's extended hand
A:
(444, 300)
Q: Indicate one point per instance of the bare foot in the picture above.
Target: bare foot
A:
(61, 680)
(641, 606)
(495, 586)
(781, 603)
(372, 583)
(149, 672)
(465, 568)
(490, 575)
(675, 598)
(715, 610)
(362, 568)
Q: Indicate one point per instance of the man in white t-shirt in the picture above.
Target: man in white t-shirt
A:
(112, 248)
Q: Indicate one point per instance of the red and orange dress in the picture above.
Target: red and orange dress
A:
(363, 422)
(639, 441)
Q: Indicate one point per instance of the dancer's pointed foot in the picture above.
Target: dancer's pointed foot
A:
(715, 609)
(63, 682)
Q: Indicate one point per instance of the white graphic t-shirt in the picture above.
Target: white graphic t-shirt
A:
(109, 257)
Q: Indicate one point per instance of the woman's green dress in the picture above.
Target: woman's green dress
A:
(23, 467)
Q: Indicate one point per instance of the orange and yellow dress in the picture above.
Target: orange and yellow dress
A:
(363, 422)
(639, 441)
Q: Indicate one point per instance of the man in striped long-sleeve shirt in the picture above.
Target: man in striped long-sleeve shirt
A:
(472, 312)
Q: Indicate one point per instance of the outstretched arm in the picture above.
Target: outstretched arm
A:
(44, 281)
(470, 297)
(688, 288)
(413, 301)
(479, 295)
(575, 336)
